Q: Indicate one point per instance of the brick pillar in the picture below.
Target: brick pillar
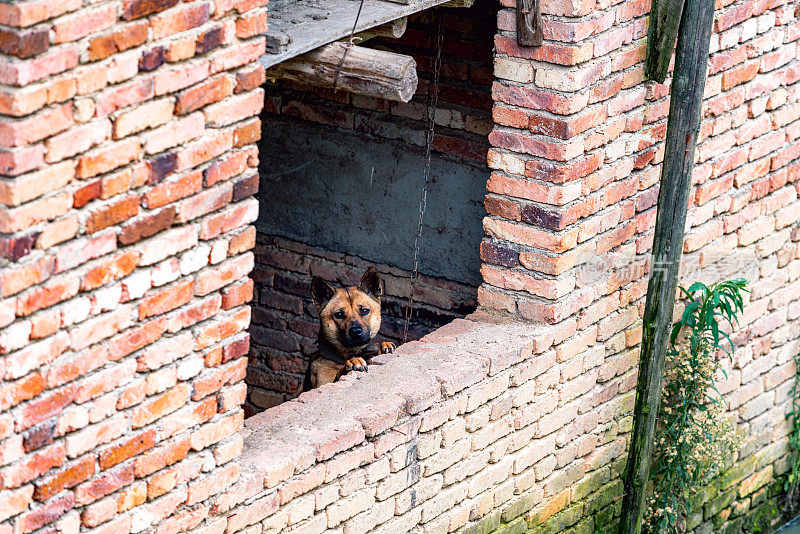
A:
(128, 163)
(574, 167)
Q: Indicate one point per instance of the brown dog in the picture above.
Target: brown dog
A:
(350, 318)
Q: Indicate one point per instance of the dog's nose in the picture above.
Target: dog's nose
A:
(356, 330)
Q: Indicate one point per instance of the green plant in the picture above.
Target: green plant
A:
(792, 484)
(694, 441)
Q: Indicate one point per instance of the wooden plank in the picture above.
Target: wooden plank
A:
(683, 124)
(364, 71)
(299, 26)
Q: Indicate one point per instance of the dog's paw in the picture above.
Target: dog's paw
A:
(355, 364)
(387, 347)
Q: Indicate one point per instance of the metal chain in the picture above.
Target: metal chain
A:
(433, 102)
(348, 45)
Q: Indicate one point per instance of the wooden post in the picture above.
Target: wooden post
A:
(530, 31)
(365, 71)
(683, 124)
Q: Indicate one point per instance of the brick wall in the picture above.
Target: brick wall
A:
(126, 142)
(127, 170)
(284, 327)
(576, 156)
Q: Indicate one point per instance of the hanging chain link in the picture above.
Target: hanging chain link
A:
(347, 46)
(433, 102)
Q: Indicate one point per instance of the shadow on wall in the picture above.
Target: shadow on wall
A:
(349, 193)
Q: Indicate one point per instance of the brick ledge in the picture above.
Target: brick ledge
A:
(288, 439)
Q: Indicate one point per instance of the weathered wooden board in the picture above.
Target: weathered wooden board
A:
(298, 26)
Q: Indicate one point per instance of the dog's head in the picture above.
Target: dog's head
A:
(349, 317)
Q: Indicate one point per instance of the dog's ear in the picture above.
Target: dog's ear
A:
(371, 283)
(321, 292)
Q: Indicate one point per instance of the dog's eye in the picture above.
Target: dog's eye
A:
(364, 311)
(339, 314)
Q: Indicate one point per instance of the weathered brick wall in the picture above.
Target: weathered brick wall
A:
(123, 284)
(285, 322)
(126, 142)
(577, 154)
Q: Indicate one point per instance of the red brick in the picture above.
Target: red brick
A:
(250, 132)
(231, 271)
(108, 158)
(44, 406)
(194, 313)
(73, 366)
(174, 133)
(47, 122)
(101, 327)
(209, 40)
(238, 55)
(216, 431)
(26, 388)
(207, 92)
(34, 355)
(135, 339)
(221, 328)
(32, 466)
(179, 19)
(68, 477)
(162, 456)
(214, 379)
(166, 299)
(235, 108)
(24, 43)
(237, 295)
(55, 61)
(243, 241)
(204, 202)
(85, 22)
(134, 9)
(218, 481)
(119, 40)
(128, 448)
(159, 406)
(45, 514)
(108, 482)
(112, 214)
(110, 270)
(104, 381)
(124, 95)
(168, 192)
(208, 147)
(80, 251)
(14, 502)
(250, 78)
(252, 24)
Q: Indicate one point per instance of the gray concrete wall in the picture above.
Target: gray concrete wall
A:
(359, 195)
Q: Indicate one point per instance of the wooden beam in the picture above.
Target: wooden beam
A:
(530, 31)
(459, 3)
(390, 30)
(365, 71)
(683, 124)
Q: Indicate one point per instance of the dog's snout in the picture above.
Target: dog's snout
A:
(356, 329)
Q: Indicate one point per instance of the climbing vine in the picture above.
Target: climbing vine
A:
(693, 441)
(792, 484)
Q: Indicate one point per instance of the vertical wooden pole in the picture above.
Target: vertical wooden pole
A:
(688, 83)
